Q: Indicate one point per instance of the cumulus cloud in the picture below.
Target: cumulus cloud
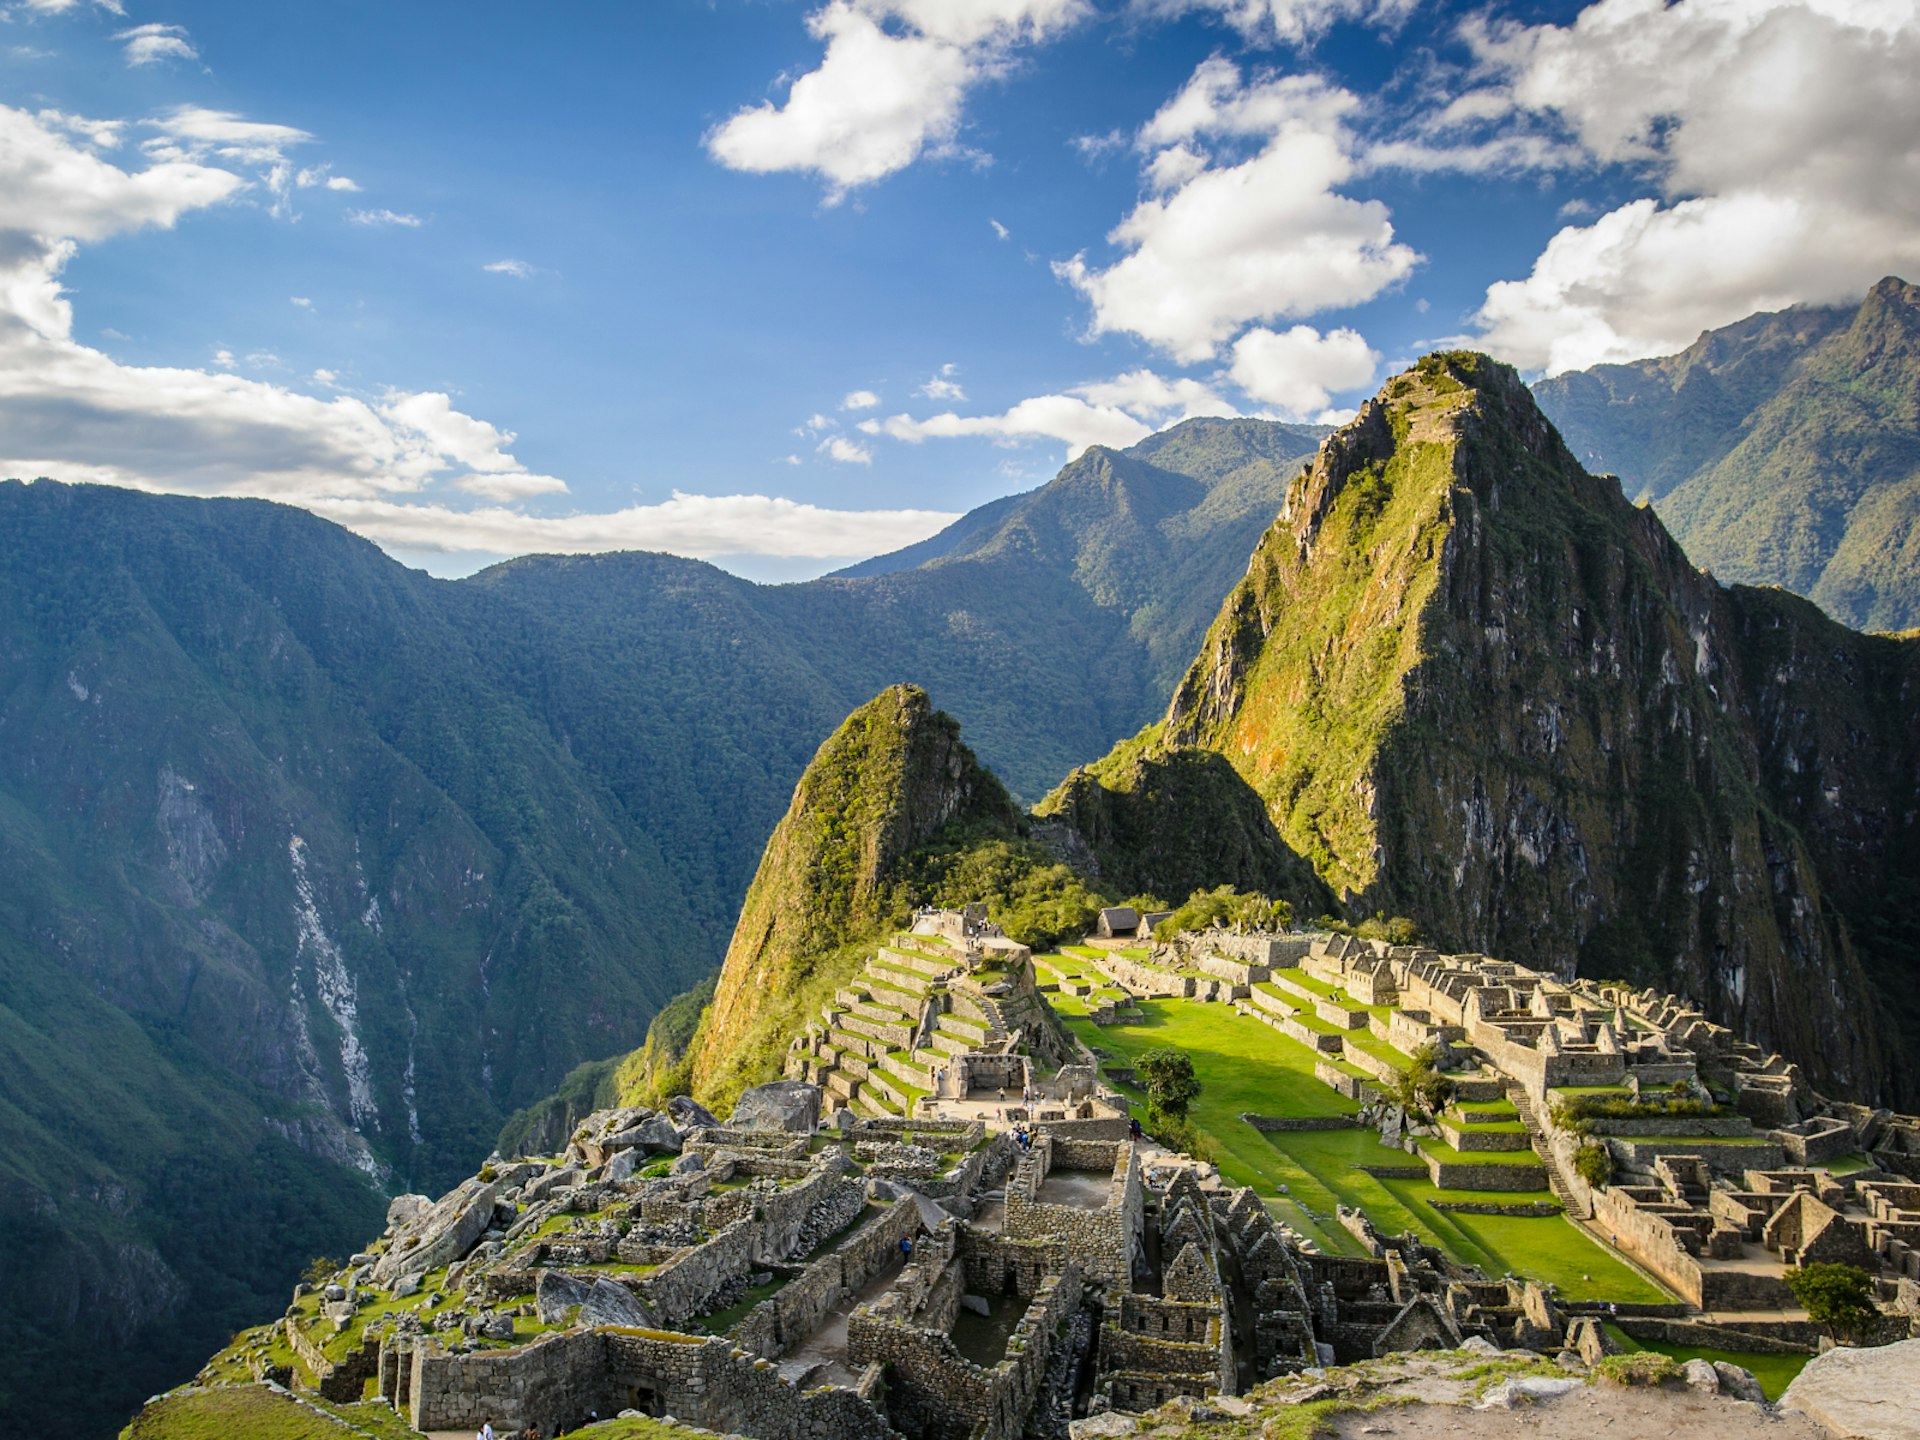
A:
(152, 43)
(1044, 417)
(1000, 231)
(1782, 138)
(891, 87)
(1116, 412)
(1297, 371)
(518, 269)
(943, 386)
(1221, 242)
(61, 7)
(860, 400)
(373, 463)
(846, 451)
(1287, 22)
(510, 485)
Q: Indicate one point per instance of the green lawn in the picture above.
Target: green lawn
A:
(258, 1413)
(1774, 1372)
(1246, 1065)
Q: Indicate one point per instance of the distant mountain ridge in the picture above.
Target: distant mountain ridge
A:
(1780, 450)
(322, 866)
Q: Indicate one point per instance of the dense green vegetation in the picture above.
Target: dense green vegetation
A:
(1781, 450)
(529, 804)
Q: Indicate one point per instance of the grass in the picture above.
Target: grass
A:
(1774, 1372)
(1246, 1065)
(250, 1410)
(639, 1428)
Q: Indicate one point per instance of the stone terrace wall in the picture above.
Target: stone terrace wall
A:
(554, 1381)
(937, 1393)
(1103, 1242)
(799, 1308)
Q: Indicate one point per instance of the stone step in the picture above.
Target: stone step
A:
(911, 981)
(903, 959)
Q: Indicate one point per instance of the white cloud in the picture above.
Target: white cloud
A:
(696, 525)
(815, 423)
(70, 411)
(860, 400)
(1297, 371)
(1218, 244)
(1000, 230)
(1044, 417)
(152, 43)
(1156, 400)
(1288, 22)
(1782, 137)
(315, 175)
(943, 386)
(301, 300)
(519, 269)
(510, 485)
(61, 7)
(383, 217)
(846, 451)
(224, 359)
(890, 88)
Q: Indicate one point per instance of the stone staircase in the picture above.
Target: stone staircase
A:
(1556, 1176)
(880, 1038)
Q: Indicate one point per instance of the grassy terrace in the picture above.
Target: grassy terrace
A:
(1246, 1065)
(1774, 1372)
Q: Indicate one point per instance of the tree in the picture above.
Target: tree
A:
(1168, 1078)
(1593, 1163)
(1837, 1298)
(1423, 1087)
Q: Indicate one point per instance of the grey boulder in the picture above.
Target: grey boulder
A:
(789, 1105)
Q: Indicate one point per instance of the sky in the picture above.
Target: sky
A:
(784, 283)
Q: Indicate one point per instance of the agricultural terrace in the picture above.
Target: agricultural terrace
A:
(1246, 1066)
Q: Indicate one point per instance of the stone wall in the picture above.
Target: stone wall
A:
(555, 1381)
(935, 1393)
(1280, 1124)
(334, 1379)
(798, 1308)
(1104, 1241)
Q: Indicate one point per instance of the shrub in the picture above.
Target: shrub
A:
(1175, 1133)
(319, 1271)
(1837, 1298)
(1225, 906)
(1423, 1087)
(1642, 1367)
(1594, 1164)
(1167, 1077)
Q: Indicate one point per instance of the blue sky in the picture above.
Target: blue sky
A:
(781, 284)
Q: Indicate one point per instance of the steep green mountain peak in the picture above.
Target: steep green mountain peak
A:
(1473, 685)
(894, 776)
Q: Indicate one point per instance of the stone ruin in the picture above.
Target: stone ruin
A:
(842, 1258)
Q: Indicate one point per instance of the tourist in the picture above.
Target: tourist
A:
(906, 1249)
(486, 1429)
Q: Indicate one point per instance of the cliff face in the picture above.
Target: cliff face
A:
(890, 780)
(1475, 686)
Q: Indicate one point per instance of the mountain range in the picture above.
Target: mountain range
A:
(1782, 450)
(1465, 682)
(320, 867)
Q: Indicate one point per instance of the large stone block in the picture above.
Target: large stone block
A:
(790, 1105)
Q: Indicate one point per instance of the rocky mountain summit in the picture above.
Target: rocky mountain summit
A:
(1473, 685)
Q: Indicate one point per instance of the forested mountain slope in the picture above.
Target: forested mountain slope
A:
(321, 867)
(1782, 450)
